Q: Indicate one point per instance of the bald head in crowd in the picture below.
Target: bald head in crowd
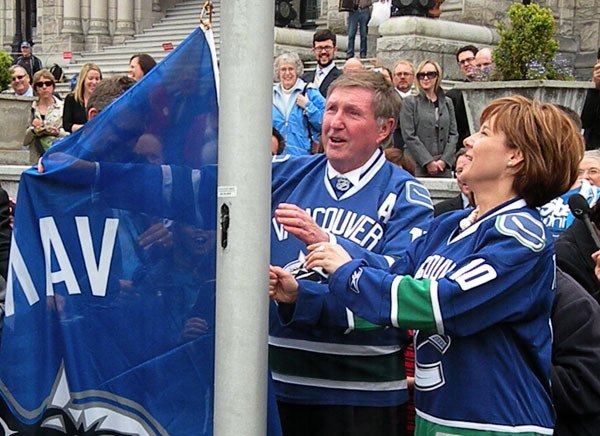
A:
(352, 65)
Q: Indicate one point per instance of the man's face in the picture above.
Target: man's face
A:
(26, 51)
(466, 63)
(350, 130)
(324, 52)
(20, 81)
(403, 77)
(460, 165)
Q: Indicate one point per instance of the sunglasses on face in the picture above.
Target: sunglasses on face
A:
(47, 84)
(15, 78)
(429, 74)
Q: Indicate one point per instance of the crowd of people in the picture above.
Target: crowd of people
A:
(486, 315)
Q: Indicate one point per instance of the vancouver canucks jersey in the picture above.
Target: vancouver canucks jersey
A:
(317, 353)
(481, 300)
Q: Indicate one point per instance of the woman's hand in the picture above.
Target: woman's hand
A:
(432, 168)
(302, 100)
(283, 286)
(36, 122)
(327, 256)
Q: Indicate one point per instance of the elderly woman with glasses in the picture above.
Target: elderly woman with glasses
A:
(46, 114)
(429, 125)
(297, 107)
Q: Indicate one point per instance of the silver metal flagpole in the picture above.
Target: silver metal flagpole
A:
(244, 207)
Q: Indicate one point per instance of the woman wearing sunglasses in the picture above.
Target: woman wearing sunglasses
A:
(429, 125)
(46, 114)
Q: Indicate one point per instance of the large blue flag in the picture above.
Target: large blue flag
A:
(109, 325)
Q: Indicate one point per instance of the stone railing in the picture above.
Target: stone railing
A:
(15, 113)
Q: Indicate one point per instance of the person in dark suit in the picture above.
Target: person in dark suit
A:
(462, 200)
(324, 48)
(465, 57)
(5, 232)
(590, 114)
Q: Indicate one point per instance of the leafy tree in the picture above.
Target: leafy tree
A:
(528, 48)
(5, 63)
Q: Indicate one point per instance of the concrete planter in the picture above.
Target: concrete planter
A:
(15, 113)
(478, 95)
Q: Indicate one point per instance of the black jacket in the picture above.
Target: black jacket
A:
(460, 112)
(5, 232)
(590, 119)
(575, 372)
(574, 248)
(324, 86)
(454, 203)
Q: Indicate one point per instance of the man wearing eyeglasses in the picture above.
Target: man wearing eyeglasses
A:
(20, 82)
(465, 57)
(32, 64)
(404, 78)
(324, 48)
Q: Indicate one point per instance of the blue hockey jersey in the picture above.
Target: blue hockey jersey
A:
(320, 353)
(481, 301)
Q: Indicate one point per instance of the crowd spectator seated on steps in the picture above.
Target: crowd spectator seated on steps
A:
(74, 116)
(324, 49)
(32, 64)
(352, 65)
(465, 57)
(20, 83)
(358, 19)
(590, 115)
(404, 78)
(139, 65)
(46, 112)
(297, 107)
(464, 199)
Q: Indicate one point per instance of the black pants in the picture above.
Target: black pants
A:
(322, 420)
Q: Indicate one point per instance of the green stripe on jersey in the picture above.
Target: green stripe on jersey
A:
(413, 306)
(427, 428)
(364, 325)
(294, 362)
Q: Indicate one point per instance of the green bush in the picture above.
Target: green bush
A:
(528, 48)
(5, 63)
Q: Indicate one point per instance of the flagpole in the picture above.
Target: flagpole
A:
(246, 63)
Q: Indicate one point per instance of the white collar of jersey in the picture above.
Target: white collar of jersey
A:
(515, 203)
(359, 177)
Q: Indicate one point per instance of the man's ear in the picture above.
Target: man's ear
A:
(92, 112)
(385, 129)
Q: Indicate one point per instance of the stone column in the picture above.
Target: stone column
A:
(125, 21)
(72, 32)
(98, 35)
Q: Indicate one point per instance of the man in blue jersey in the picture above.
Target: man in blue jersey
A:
(331, 378)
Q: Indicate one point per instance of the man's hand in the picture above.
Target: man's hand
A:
(194, 328)
(596, 258)
(157, 233)
(297, 222)
(283, 287)
(327, 256)
(596, 75)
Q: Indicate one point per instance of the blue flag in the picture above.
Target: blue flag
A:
(109, 325)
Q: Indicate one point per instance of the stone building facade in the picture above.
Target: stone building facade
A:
(56, 26)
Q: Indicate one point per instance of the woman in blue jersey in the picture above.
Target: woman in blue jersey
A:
(478, 287)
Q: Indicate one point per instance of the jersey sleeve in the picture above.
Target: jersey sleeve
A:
(410, 218)
(511, 271)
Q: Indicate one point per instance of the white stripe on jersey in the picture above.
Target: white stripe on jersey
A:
(329, 348)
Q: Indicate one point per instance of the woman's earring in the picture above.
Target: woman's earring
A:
(510, 163)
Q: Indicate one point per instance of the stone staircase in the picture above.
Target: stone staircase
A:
(179, 21)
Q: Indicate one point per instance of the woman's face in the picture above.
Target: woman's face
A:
(135, 71)
(44, 87)
(491, 159)
(287, 75)
(91, 80)
(589, 169)
(427, 77)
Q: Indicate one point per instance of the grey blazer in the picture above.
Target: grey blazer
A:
(424, 138)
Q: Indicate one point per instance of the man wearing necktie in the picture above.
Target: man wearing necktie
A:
(324, 48)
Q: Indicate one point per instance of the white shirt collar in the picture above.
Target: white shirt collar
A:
(354, 175)
(325, 70)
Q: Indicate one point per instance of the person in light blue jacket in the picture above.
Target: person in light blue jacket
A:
(297, 107)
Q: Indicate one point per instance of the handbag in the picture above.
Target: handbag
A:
(381, 12)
